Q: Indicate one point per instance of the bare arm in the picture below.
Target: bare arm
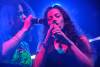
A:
(41, 53)
(12, 43)
(83, 57)
(86, 59)
(39, 57)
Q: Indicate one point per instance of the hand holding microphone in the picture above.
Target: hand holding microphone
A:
(57, 32)
(27, 23)
(59, 35)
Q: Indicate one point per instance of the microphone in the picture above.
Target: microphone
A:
(60, 38)
(57, 36)
(34, 20)
(28, 11)
(38, 21)
(54, 22)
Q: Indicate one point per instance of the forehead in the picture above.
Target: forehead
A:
(53, 11)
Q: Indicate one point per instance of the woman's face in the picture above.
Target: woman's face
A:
(55, 15)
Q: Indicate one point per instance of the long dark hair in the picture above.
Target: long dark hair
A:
(69, 29)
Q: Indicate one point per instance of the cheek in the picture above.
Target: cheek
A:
(49, 22)
(61, 19)
(61, 23)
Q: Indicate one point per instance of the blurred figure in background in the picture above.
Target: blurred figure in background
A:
(14, 48)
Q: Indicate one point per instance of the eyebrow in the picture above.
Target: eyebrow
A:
(55, 14)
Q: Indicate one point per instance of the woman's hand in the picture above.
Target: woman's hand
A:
(27, 23)
(57, 30)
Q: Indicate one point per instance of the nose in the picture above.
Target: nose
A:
(54, 18)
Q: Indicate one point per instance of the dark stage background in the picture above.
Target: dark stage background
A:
(86, 13)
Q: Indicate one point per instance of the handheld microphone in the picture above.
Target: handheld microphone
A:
(57, 36)
(38, 21)
(55, 22)
(23, 16)
(34, 20)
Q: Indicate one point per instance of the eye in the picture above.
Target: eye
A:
(57, 15)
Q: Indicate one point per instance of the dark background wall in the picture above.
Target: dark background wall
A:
(85, 12)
